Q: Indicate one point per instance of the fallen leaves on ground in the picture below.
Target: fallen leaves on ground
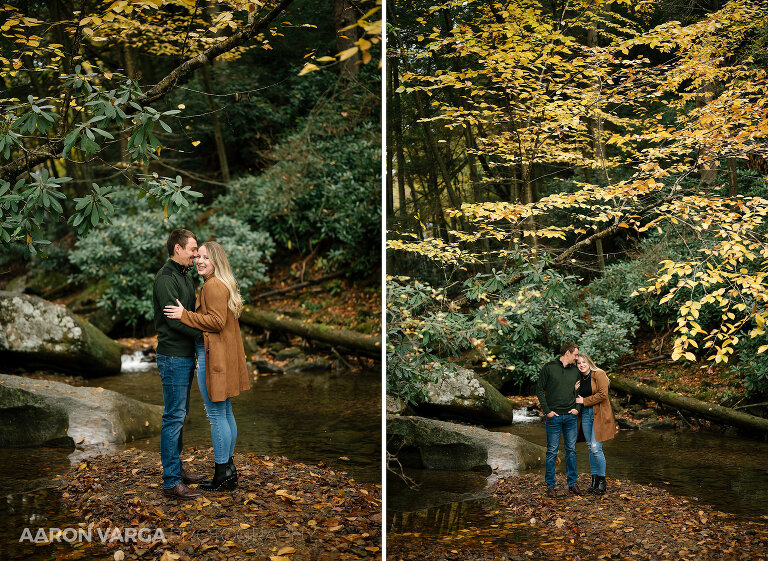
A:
(280, 510)
(631, 522)
(347, 303)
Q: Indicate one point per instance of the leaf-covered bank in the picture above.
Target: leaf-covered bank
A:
(281, 510)
(631, 522)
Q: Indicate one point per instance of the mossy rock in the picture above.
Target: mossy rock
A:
(461, 393)
(36, 334)
(88, 298)
(48, 284)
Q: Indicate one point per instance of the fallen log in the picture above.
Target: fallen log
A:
(699, 408)
(298, 286)
(366, 345)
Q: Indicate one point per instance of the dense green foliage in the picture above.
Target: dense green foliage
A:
(322, 189)
(506, 330)
(128, 253)
(245, 151)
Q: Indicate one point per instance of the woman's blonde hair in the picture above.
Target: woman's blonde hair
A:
(223, 272)
(587, 359)
(592, 366)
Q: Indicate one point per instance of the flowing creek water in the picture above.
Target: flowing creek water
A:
(306, 417)
(727, 472)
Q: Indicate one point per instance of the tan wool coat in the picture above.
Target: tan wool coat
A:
(605, 425)
(226, 374)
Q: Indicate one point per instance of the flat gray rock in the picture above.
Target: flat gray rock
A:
(432, 444)
(35, 412)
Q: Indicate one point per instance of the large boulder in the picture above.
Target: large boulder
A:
(431, 444)
(462, 393)
(35, 333)
(36, 412)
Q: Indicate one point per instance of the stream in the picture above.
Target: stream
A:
(306, 417)
(728, 472)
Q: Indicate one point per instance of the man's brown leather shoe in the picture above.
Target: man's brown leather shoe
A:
(551, 492)
(575, 490)
(181, 491)
(190, 478)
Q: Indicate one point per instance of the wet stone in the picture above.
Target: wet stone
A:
(290, 352)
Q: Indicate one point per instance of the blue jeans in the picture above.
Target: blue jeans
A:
(176, 374)
(596, 456)
(566, 424)
(223, 427)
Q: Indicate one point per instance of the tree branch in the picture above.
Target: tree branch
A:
(169, 82)
(10, 171)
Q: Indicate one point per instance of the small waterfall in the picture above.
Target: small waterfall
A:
(137, 362)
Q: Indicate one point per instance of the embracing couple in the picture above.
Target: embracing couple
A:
(573, 394)
(198, 335)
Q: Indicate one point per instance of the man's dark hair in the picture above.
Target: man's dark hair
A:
(178, 236)
(567, 347)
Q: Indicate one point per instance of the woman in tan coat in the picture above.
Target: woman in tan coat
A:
(597, 421)
(221, 369)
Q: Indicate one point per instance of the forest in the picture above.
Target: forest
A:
(590, 171)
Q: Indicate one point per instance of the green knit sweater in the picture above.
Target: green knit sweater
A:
(556, 387)
(174, 282)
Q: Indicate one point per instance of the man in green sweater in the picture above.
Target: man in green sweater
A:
(175, 358)
(556, 390)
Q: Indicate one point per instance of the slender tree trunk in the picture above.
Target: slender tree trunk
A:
(598, 142)
(220, 148)
(708, 165)
(600, 255)
(734, 185)
(529, 186)
(397, 108)
(390, 187)
(344, 15)
(129, 64)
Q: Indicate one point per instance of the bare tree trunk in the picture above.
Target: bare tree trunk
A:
(130, 70)
(529, 187)
(734, 185)
(389, 186)
(220, 148)
(598, 143)
(600, 255)
(397, 108)
(344, 15)
(708, 166)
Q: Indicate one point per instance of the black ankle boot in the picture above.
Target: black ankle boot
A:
(233, 468)
(223, 479)
(601, 486)
(593, 487)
